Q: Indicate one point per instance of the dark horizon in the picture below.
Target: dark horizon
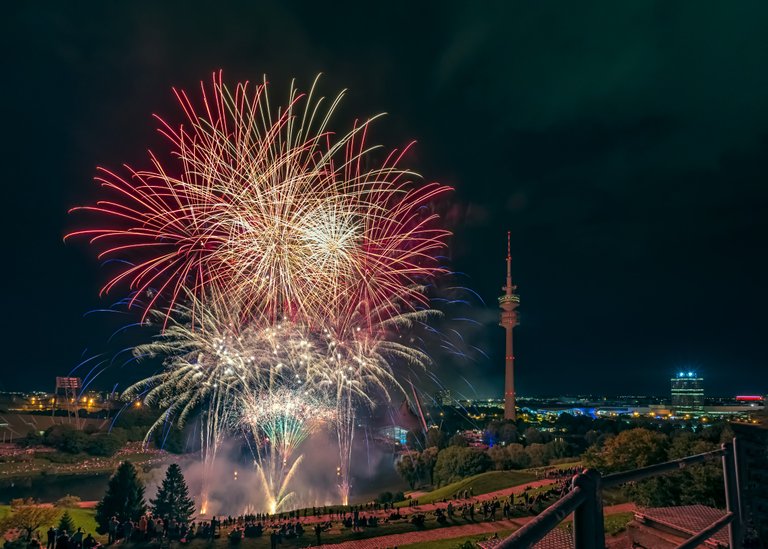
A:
(624, 146)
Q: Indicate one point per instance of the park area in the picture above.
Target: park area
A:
(481, 507)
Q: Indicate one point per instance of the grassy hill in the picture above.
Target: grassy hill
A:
(480, 484)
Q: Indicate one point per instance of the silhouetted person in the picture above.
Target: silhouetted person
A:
(318, 531)
(114, 525)
(62, 542)
(51, 538)
(77, 538)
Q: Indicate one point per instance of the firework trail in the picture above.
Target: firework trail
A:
(358, 369)
(271, 209)
(286, 417)
(204, 365)
(275, 259)
(280, 421)
(210, 363)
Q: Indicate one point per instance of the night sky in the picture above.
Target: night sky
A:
(624, 144)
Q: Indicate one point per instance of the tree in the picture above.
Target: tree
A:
(408, 468)
(124, 498)
(499, 458)
(73, 442)
(172, 499)
(172, 440)
(28, 515)
(33, 438)
(385, 497)
(629, 450)
(458, 440)
(501, 432)
(511, 456)
(632, 449)
(455, 463)
(700, 483)
(103, 444)
(537, 454)
(427, 461)
(414, 439)
(68, 501)
(65, 438)
(534, 436)
(518, 457)
(66, 524)
(436, 438)
(591, 437)
(557, 449)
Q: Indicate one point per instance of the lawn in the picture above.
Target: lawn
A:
(337, 534)
(480, 484)
(612, 524)
(558, 466)
(84, 518)
(452, 543)
(617, 523)
(614, 496)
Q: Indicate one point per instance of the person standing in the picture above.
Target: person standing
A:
(114, 525)
(214, 523)
(143, 527)
(77, 538)
(62, 542)
(51, 538)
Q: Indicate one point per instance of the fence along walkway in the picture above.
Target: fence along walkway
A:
(585, 502)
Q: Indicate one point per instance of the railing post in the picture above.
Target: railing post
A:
(588, 528)
(738, 464)
(732, 503)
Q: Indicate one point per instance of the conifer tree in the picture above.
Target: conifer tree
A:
(66, 523)
(172, 499)
(124, 498)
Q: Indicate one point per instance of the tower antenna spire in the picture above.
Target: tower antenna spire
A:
(509, 258)
(508, 302)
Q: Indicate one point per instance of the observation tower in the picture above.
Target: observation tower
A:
(508, 303)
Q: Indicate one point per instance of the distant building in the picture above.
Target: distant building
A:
(394, 425)
(687, 393)
(444, 398)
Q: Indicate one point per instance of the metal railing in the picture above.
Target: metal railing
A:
(585, 501)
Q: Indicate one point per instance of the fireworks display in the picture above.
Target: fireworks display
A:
(283, 418)
(283, 268)
(280, 420)
(272, 210)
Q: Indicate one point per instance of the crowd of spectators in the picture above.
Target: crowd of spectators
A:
(61, 539)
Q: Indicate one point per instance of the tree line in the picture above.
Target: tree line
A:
(123, 501)
(445, 460)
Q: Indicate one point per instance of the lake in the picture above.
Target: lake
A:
(49, 488)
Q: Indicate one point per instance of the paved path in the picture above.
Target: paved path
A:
(422, 536)
(479, 528)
